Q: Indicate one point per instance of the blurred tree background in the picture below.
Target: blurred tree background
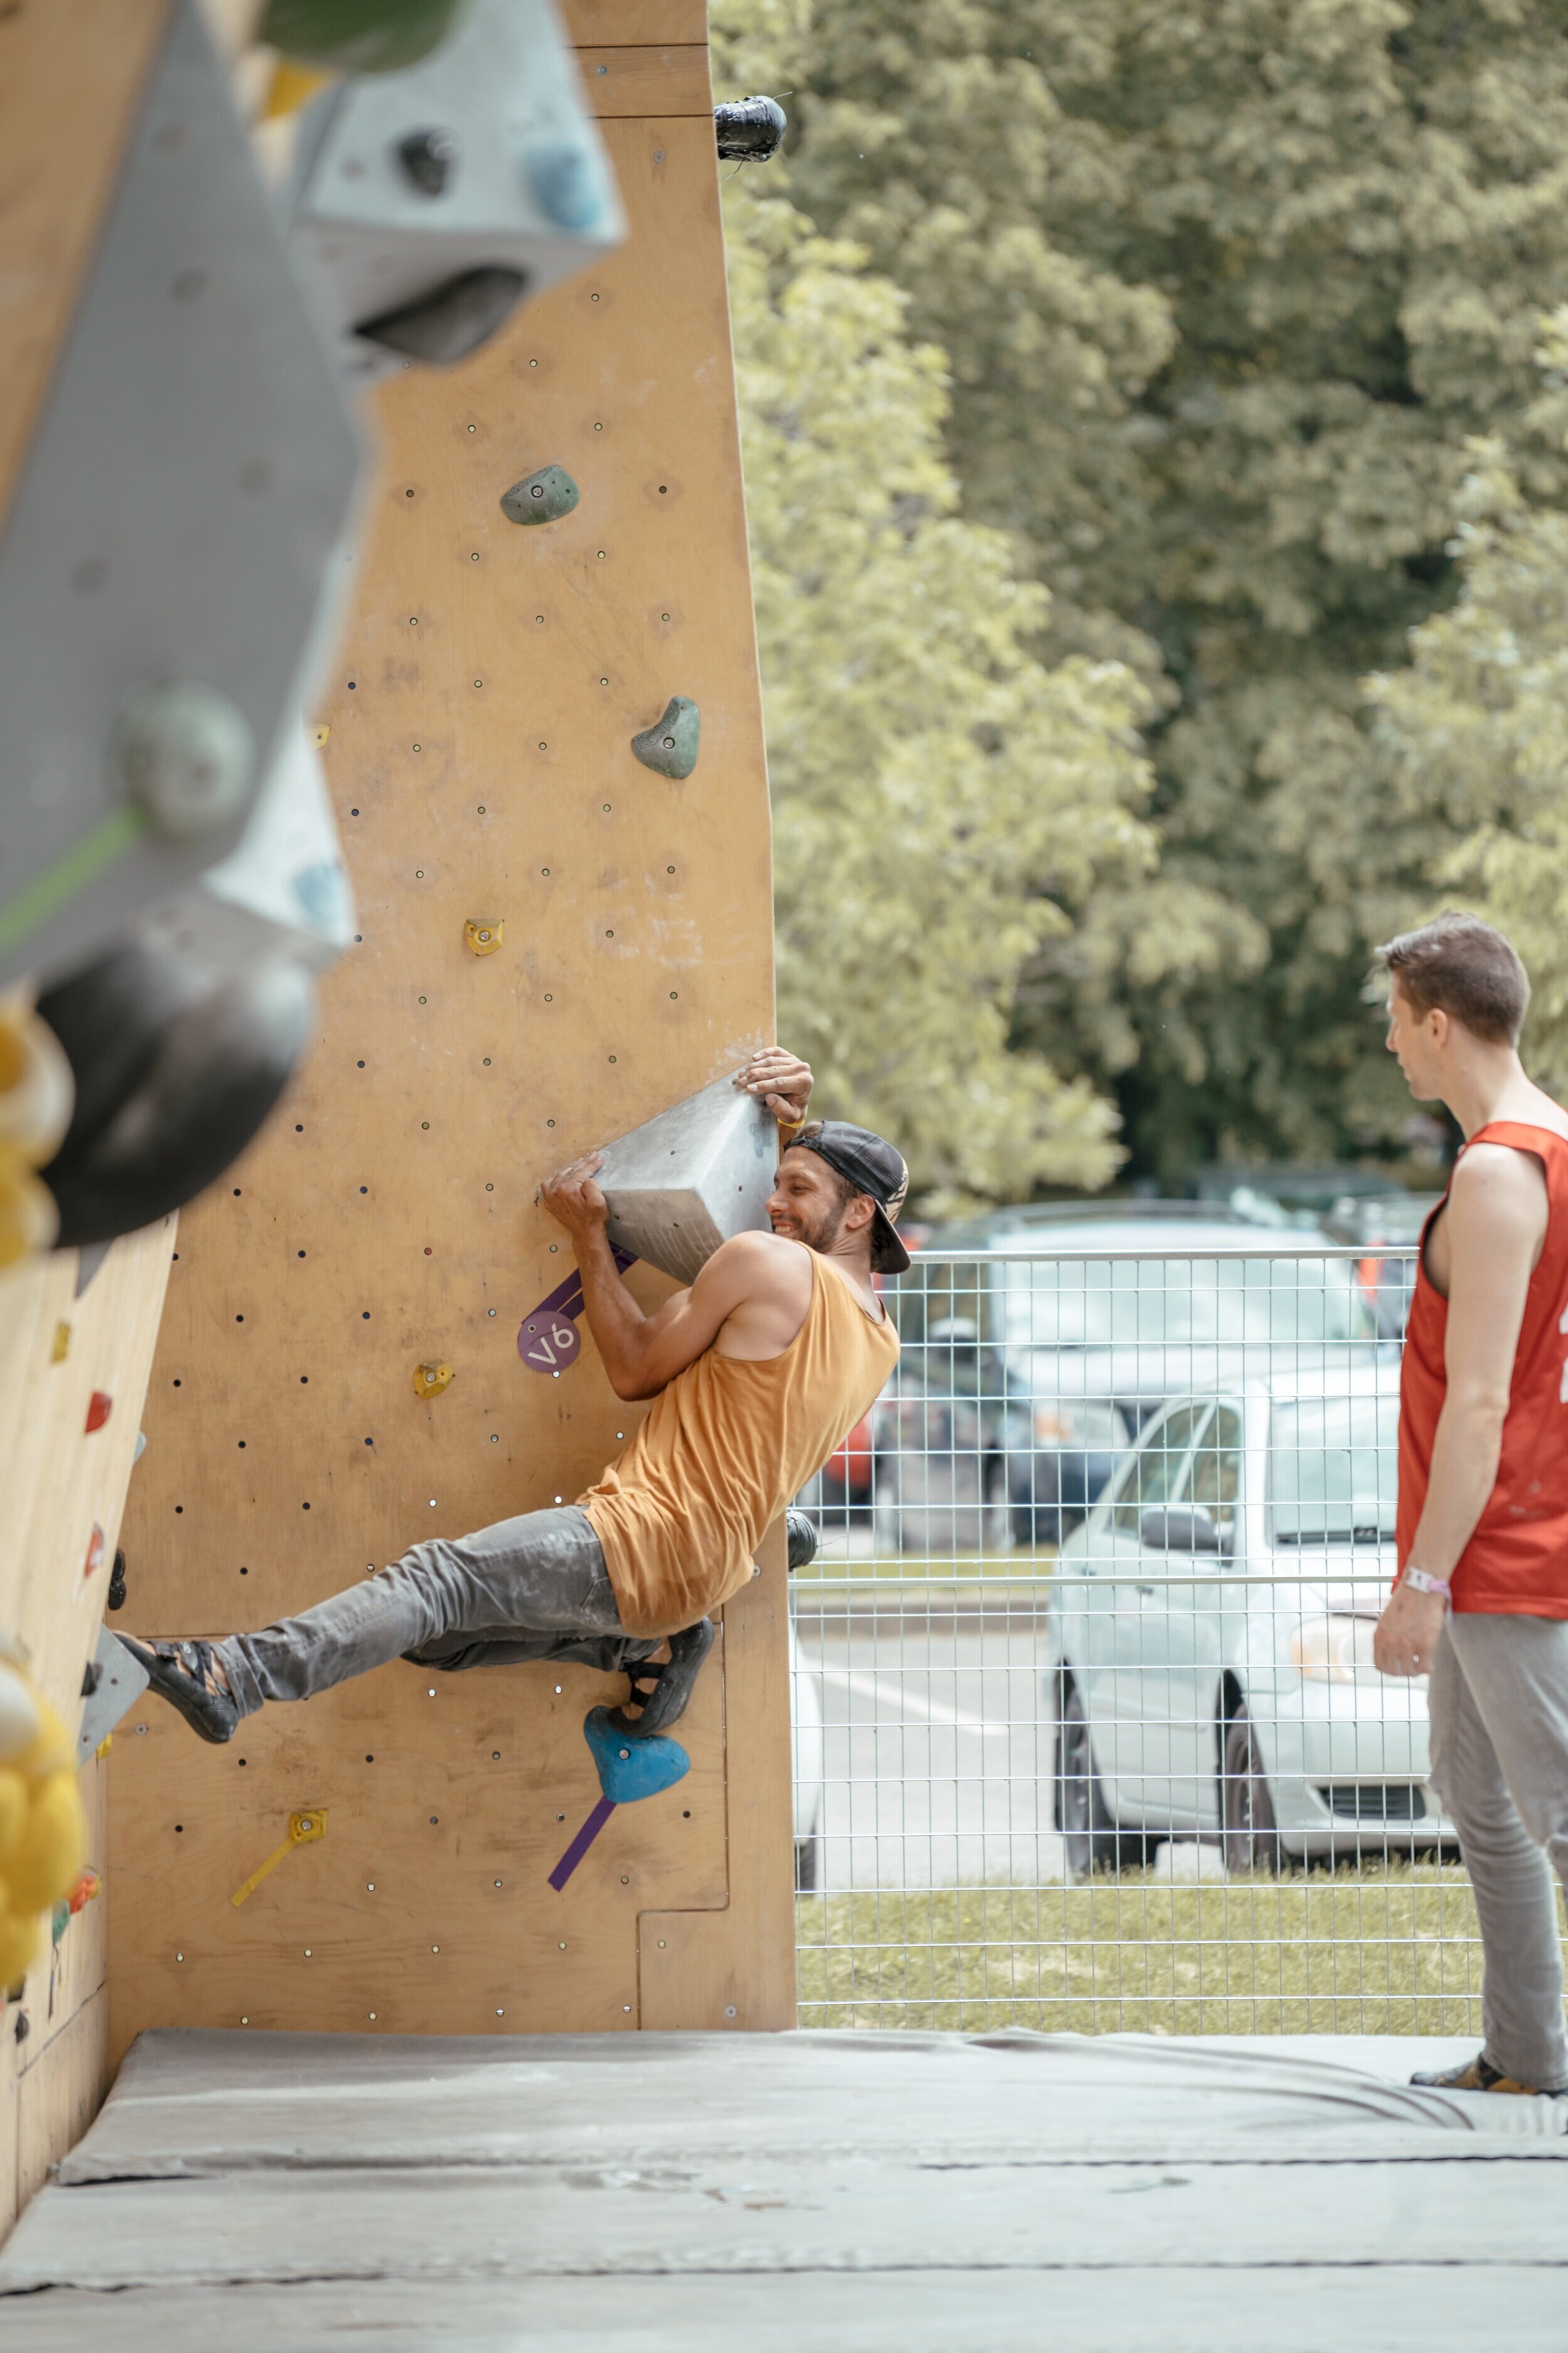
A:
(1480, 718)
(1236, 309)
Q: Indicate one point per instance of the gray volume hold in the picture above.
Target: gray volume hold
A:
(540, 497)
(690, 1178)
(670, 745)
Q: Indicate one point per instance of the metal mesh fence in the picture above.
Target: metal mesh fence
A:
(1088, 1730)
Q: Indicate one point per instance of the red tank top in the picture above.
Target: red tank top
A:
(1516, 1563)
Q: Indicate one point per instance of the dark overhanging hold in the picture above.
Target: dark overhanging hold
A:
(452, 321)
(177, 1066)
(669, 747)
(544, 496)
(750, 130)
(427, 157)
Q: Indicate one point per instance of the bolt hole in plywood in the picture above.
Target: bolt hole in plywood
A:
(709, 1927)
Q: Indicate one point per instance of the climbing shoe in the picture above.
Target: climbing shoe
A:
(182, 1672)
(1478, 2074)
(803, 1540)
(673, 1679)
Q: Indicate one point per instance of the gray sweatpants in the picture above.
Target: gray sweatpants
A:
(1498, 1705)
(531, 1588)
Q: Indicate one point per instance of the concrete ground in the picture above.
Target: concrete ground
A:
(862, 2193)
(936, 1753)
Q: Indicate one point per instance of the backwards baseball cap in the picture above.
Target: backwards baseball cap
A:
(871, 1164)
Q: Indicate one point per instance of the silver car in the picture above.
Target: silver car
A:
(1210, 1632)
(1037, 1341)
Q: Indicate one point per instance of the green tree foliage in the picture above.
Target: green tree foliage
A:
(943, 801)
(1228, 286)
(1478, 723)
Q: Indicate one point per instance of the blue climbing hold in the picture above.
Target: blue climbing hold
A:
(629, 1769)
(566, 182)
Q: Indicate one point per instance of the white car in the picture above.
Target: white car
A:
(1210, 1632)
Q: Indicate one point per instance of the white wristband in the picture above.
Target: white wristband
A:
(1420, 1581)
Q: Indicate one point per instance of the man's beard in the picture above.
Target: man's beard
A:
(825, 1232)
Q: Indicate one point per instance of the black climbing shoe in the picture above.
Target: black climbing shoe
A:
(803, 1540)
(181, 1673)
(1478, 2074)
(673, 1679)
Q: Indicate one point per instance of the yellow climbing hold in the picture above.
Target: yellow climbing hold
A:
(484, 938)
(43, 1832)
(61, 1347)
(319, 734)
(429, 1380)
(304, 1828)
(36, 1093)
(290, 86)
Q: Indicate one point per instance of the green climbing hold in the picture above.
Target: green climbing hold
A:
(543, 497)
(356, 36)
(670, 745)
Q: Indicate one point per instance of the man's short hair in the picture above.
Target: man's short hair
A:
(1463, 968)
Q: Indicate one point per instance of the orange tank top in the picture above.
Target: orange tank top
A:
(1516, 1563)
(724, 1447)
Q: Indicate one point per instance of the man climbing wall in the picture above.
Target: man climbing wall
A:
(759, 1368)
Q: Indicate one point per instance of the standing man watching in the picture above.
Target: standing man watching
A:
(1481, 1603)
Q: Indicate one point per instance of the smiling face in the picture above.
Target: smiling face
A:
(811, 1203)
(1417, 1041)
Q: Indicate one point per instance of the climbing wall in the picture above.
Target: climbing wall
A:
(556, 942)
(74, 1352)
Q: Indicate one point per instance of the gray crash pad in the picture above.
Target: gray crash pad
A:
(691, 2193)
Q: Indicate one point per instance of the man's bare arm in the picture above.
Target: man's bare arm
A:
(1495, 1218)
(640, 1353)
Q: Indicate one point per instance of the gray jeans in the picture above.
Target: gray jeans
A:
(1498, 1703)
(533, 1587)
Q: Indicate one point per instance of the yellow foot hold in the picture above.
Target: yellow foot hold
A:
(484, 938)
(304, 1828)
(429, 1380)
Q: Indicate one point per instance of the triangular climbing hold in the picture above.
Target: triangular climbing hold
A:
(629, 1769)
(669, 747)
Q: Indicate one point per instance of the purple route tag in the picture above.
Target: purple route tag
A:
(549, 1342)
(604, 1808)
(548, 1339)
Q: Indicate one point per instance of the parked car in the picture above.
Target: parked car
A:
(942, 1434)
(1387, 1283)
(1209, 1635)
(1075, 1350)
(841, 1494)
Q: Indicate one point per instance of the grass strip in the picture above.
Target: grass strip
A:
(1373, 1948)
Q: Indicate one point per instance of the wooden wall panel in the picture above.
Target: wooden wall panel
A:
(629, 80)
(59, 1482)
(479, 753)
(634, 23)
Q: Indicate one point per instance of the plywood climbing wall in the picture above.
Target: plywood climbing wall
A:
(479, 753)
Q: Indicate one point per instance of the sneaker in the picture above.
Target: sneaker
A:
(1478, 2074)
(182, 1672)
(673, 1679)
